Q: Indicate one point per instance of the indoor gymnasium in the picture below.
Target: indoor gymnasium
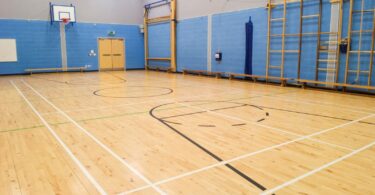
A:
(194, 97)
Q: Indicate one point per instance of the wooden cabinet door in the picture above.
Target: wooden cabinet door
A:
(118, 54)
(105, 54)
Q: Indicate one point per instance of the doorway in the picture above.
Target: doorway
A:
(112, 54)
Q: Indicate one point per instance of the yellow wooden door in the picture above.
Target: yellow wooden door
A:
(118, 54)
(105, 54)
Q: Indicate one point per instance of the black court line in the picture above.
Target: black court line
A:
(200, 112)
(173, 122)
(265, 95)
(169, 91)
(206, 126)
(258, 185)
(226, 108)
(247, 178)
(117, 77)
(319, 115)
(186, 114)
(260, 108)
(237, 125)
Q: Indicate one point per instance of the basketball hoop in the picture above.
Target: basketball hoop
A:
(66, 21)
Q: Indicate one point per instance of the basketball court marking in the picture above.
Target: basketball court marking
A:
(207, 151)
(310, 171)
(77, 85)
(156, 100)
(64, 146)
(70, 83)
(272, 95)
(166, 100)
(312, 114)
(265, 126)
(20, 129)
(208, 85)
(307, 102)
(191, 96)
(298, 135)
(168, 91)
(246, 155)
(271, 191)
(106, 148)
(352, 108)
(269, 127)
(137, 103)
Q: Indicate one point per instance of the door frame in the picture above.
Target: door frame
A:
(98, 48)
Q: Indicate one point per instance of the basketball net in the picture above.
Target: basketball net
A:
(66, 21)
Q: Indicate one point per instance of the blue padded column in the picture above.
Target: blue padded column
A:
(249, 47)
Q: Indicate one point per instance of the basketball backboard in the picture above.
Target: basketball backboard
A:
(60, 12)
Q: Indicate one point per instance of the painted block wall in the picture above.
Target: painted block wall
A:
(309, 43)
(365, 44)
(83, 37)
(38, 44)
(192, 44)
(159, 43)
(228, 36)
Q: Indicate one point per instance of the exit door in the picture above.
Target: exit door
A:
(111, 54)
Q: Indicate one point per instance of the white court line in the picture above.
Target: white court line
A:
(106, 148)
(271, 191)
(64, 146)
(167, 100)
(149, 101)
(352, 108)
(265, 126)
(311, 103)
(189, 85)
(246, 155)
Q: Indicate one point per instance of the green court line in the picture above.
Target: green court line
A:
(84, 120)
(172, 108)
(138, 113)
(115, 116)
(21, 129)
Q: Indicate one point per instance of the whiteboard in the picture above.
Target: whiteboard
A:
(8, 50)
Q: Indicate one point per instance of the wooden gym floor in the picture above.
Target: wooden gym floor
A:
(156, 133)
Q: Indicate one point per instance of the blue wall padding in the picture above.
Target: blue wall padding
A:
(159, 43)
(192, 44)
(229, 37)
(38, 44)
(249, 47)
